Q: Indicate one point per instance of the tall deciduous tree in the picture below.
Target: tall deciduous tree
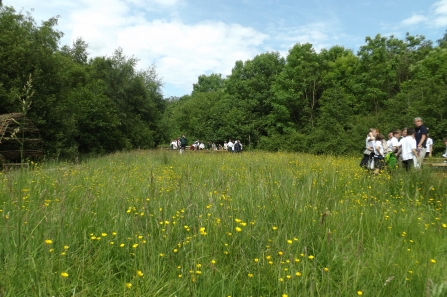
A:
(209, 83)
(338, 103)
(250, 89)
(136, 97)
(297, 90)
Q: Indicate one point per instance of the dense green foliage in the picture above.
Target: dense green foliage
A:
(307, 101)
(160, 223)
(80, 105)
(320, 102)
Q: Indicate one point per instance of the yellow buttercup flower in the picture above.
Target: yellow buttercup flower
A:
(64, 274)
(48, 241)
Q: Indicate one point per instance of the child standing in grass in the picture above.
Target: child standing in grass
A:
(368, 154)
(379, 153)
(409, 152)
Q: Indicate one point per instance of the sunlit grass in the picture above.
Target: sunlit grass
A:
(157, 223)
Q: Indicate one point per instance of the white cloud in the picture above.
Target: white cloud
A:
(440, 13)
(414, 20)
(440, 7)
(181, 52)
(167, 2)
(436, 16)
(155, 32)
(319, 34)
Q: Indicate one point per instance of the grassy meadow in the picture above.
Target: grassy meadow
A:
(160, 223)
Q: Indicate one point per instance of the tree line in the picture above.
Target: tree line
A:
(81, 105)
(322, 103)
(308, 101)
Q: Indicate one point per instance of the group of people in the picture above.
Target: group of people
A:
(181, 143)
(408, 146)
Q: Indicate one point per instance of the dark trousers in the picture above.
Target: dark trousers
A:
(379, 162)
(366, 158)
(408, 164)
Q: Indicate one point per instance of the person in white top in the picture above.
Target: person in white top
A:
(174, 144)
(394, 142)
(379, 153)
(429, 145)
(368, 154)
(388, 142)
(196, 144)
(230, 146)
(409, 150)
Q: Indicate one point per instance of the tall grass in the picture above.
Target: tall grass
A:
(151, 223)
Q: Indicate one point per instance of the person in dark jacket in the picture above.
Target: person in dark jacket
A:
(237, 146)
(183, 143)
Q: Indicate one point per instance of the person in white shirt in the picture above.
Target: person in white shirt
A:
(368, 154)
(230, 146)
(225, 147)
(409, 150)
(394, 142)
(174, 144)
(388, 142)
(429, 145)
(196, 144)
(379, 153)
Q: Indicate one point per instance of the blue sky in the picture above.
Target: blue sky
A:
(186, 38)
